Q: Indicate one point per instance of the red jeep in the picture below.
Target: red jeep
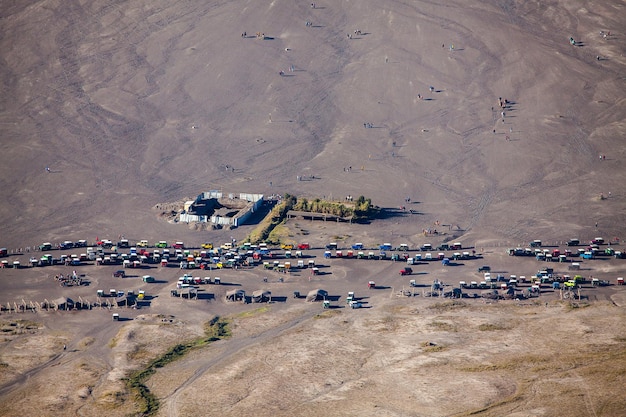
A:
(303, 246)
(406, 271)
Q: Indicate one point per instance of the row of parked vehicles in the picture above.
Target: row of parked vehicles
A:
(537, 243)
(403, 247)
(162, 244)
(590, 251)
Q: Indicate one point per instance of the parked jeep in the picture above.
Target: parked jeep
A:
(119, 274)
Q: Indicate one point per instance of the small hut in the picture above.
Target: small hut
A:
(189, 292)
(125, 300)
(63, 303)
(316, 295)
(235, 295)
(261, 296)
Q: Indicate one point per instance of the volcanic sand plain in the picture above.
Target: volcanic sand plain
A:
(134, 104)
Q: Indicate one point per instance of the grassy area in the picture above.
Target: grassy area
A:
(280, 234)
(216, 329)
(252, 313)
(275, 217)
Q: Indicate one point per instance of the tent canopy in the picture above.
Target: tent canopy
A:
(316, 295)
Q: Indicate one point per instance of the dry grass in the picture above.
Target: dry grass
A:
(327, 314)
(13, 327)
(140, 353)
(448, 306)
(490, 327)
(443, 326)
(85, 342)
(430, 347)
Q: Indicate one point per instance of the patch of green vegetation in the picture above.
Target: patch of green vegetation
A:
(279, 234)
(275, 217)
(216, 329)
(361, 209)
(251, 313)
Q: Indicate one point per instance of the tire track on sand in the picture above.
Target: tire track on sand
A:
(235, 346)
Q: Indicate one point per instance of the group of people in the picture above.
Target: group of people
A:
(66, 280)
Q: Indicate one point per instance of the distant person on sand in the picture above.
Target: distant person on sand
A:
(47, 169)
